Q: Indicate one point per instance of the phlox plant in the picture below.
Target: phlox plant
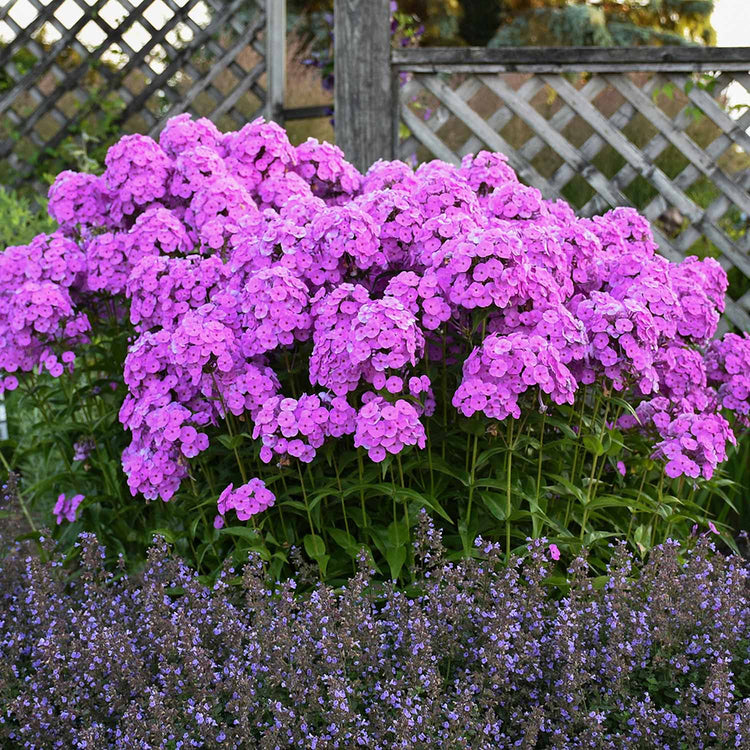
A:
(244, 344)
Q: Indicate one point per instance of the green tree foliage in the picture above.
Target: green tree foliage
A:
(564, 22)
(607, 23)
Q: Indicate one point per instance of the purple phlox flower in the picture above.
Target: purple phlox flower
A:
(65, 508)
(247, 500)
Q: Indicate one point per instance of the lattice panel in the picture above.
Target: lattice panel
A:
(137, 61)
(651, 140)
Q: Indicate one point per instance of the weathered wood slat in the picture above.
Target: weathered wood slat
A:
(276, 51)
(428, 137)
(364, 95)
(439, 117)
(720, 58)
(485, 133)
(685, 144)
(711, 108)
(502, 116)
(38, 70)
(626, 149)
(563, 147)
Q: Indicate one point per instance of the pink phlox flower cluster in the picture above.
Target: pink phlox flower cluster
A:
(276, 191)
(107, 266)
(137, 172)
(544, 253)
(32, 318)
(276, 311)
(48, 257)
(399, 216)
(158, 231)
(701, 287)
(193, 168)
(281, 238)
(246, 501)
(344, 237)
(333, 313)
(555, 323)
(651, 415)
(514, 201)
(421, 296)
(434, 232)
(202, 345)
(634, 229)
(216, 209)
(383, 427)
(484, 268)
(259, 150)
(442, 189)
(682, 378)
(172, 423)
(486, 171)
(388, 175)
(622, 341)
(154, 470)
(78, 200)
(694, 445)
(647, 281)
(503, 368)
(182, 133)
(583, 248)
(324, 168)
(66, 508)
(163, 289)
(248, 387)
(728, 369)
(383, 339)
(298, 427)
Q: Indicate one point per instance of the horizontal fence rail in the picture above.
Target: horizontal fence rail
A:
(655, 128)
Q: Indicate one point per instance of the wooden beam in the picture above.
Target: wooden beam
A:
(363, 88)
(552, 59)
(275, 59)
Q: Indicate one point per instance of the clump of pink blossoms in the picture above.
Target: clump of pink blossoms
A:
(243, 258)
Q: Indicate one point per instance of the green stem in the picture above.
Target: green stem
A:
(539, 472)
(360, 466)
(508, 503)
(341, 492)
(658, 508)
(471, 483)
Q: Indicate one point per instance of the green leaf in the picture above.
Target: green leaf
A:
(346, 541)
(395, 557)
(593, 445)
(230, 442)
(568, 488)
(243, 532)
(168, 534)
(314, 546)
(495, 504)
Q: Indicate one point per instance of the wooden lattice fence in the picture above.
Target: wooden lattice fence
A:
(648, 127)
(136, 62)
(645, 127)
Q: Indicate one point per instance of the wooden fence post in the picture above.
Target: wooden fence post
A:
(275, 59)
(363, 84)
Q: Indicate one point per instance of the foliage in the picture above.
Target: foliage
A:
(472, 655)
(620, 23)
(319, 354)
(20, 222)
